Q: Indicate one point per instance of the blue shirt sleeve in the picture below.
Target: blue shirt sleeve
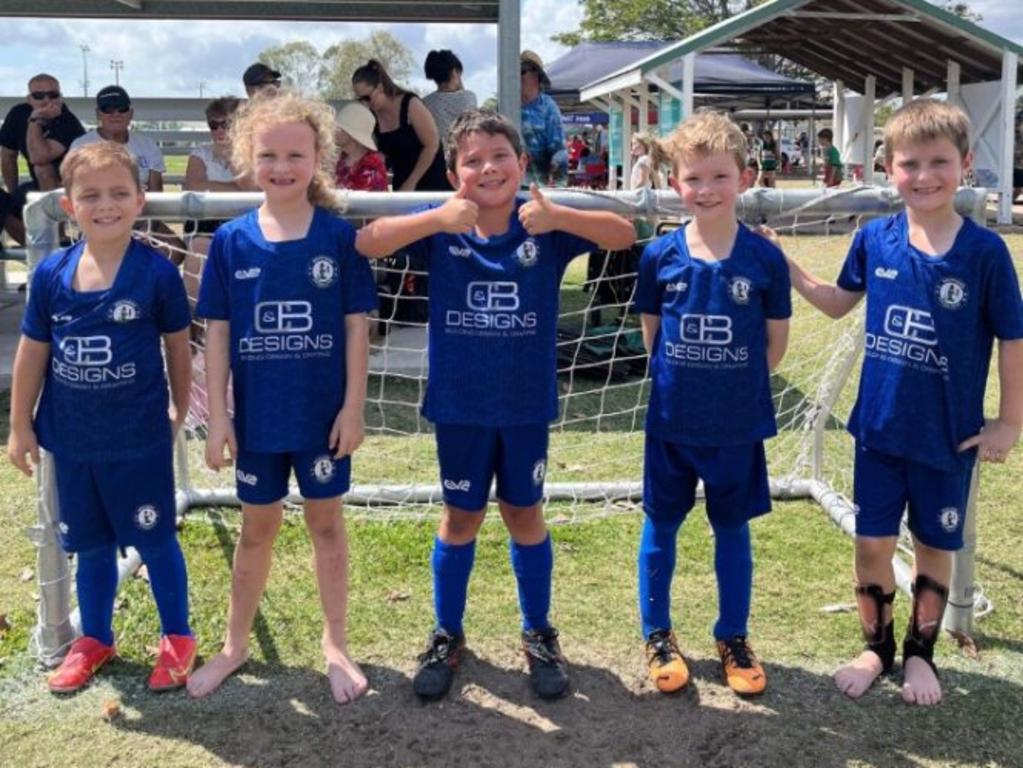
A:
(555, 130)
(1003, 307)
(359, 291)
(173, 313)
(778, 297)
(36, 322)
(854, 272)
(648, 292)
(214, 289)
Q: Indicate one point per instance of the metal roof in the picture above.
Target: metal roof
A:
(441, 11)
(846, 40)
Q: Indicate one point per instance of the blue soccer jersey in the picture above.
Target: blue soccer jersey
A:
(286, 303)
(711, 385)
(105, 394)
(493, 324)
(930, 326)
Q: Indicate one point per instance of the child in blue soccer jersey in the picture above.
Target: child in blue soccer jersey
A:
(714, 299)
(286, 296)
(939, 290)
(91, 341)
(496, 265)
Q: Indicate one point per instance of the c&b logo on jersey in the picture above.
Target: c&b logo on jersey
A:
(125, 311)
(284, 316)
(706, 329)
(323, 271)
(493, 297)
(706, 339)
(739, 289)
(916, 325)
(146, 517)
(527, 253)
(323, 469)
(909, 337)
(952, 293)
(87, 350)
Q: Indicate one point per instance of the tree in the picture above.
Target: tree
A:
(342, 59)
(299, 63)
(606, 20)
(962, 10)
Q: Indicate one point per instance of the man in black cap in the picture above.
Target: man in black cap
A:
(40, 130)
(260, 76)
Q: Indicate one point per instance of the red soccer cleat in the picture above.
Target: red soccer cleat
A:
(83, 660)
(174, 662)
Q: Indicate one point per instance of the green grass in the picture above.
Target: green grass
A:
(277, 713)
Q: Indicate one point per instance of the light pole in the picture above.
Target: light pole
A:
(117, 65)
(202, 87)
(85, 69)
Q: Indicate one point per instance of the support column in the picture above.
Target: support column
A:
(908, 78)
(509, 97)
(1010, 61)
(867, 128)
(952, 83)
(688, 81)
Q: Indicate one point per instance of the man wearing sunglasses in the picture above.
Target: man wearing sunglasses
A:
(542, 131)
(41, 130)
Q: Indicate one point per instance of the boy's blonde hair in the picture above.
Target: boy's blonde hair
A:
(706, 133)
(95, 157)
(271, 107)
(926, 120)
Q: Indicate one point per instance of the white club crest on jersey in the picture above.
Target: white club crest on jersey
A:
(739, 289)
(952, 293)
(124, 311)
(323, 271)
(146, 517)
(323, 469)
(527, 253)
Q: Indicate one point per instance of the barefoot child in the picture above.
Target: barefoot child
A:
(286, 297)
(939, 290)
(496, 265)
(91, 340)
(715, 306)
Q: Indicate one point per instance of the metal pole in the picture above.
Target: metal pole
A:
(85, 69)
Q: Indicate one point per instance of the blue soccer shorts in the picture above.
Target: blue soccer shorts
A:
(884, 486)
(470, 457)
(262, 478)
(127, 503)
(734, 481)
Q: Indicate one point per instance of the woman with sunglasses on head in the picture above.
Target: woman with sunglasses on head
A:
(406, 132)
(451, 98)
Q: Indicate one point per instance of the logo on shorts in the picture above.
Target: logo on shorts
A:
(952, 293)
(527, 253)
(125, 311)
(323, 469)
(323, 271)
(457, 485)
(949, 519)
(146, 517)
(62, 527)
(248, 478)
(739, 289)
(539, 471)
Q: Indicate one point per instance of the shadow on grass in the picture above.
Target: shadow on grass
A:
(273, 715)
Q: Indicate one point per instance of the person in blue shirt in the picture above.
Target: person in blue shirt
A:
(714, 298)
(495, 265)
(100, 315)
(543, 135)
(939, 290)
(286, 297)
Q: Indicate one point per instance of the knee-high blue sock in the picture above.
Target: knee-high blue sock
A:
(452, 566)
(169, 582)
(96, 581)
(733, 563)
(533, 565)
(656, 569)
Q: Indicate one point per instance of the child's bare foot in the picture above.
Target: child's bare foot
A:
(855, 678)
(920, 683)
(210, 675)
(347, 681)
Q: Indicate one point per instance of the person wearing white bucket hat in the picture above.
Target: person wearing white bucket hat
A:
(359, 165)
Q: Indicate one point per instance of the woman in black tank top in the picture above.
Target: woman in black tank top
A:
(410, 142)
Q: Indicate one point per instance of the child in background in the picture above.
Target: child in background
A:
(715, 306)
(495, 265)
(939, 290)
(359, 166)
(831, 158)
(286, 298)
(91, 341)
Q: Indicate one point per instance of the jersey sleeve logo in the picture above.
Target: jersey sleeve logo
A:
(124, 311)
(952, 293)
(527, 253)
(323, 271)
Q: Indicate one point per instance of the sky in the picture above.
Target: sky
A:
(172, 58)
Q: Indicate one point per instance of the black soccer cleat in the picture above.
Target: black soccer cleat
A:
(437, 665)
(548, 670)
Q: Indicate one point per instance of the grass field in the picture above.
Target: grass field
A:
(278, 711)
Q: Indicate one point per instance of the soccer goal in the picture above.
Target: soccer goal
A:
(596, 447)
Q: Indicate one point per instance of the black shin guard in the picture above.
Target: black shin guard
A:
(922, 633)
(879, 634)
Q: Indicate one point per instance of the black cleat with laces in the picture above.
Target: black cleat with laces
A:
(548, 670)
(437, 665)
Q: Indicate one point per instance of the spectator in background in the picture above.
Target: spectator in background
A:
(1017, 159)
(41, 130)
(831, 158)
(450, 99)
(259, 76)
(114, 114)
(646, 158)
(542, 132)
(360, 166)
(406, 132)
(768, 158)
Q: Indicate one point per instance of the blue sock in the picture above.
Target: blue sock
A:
(656, 568)
(533, 565)
(733, 563)
(169, 583)
(96, 580)
(452, 566)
